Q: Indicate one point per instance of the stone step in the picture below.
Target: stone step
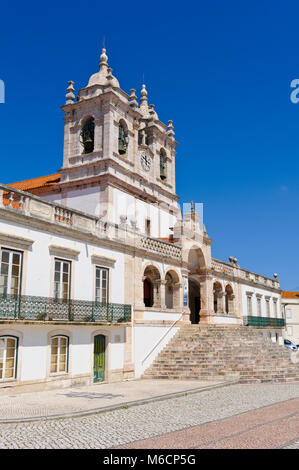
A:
(210, 351)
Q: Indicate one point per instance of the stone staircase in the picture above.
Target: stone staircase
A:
(211, 352)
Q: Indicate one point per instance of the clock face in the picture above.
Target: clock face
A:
(146, 162)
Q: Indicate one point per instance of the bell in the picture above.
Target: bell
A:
(88, 139)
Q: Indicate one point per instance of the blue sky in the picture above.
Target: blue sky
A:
(221, 69)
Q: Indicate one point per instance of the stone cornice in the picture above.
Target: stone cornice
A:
(103, 260)
(15, 241)
(160, 188)
(58, 250)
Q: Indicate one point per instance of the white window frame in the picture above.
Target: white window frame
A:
(101, 269)
(5, 338)
(289, 313)
(11, 253)
(268, 308)
(259, 305)
(275, 308)
(249, 305)
(290, 330)
(59, 337)
(58, 293)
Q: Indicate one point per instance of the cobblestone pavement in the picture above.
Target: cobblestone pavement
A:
(67, 402)
(120, 427)
(291, 445)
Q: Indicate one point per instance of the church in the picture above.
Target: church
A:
(99, 266)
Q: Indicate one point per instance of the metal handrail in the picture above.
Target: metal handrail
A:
(264, 321)
(27, 307)
(161, 339)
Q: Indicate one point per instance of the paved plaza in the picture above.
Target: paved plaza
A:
(266, 415)
(95, 398)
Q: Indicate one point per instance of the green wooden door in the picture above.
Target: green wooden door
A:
(99, 359)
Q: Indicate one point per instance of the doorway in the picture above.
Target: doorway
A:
(99, 358)
(194, 302)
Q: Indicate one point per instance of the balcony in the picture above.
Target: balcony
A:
(264, 321)
(32, 308)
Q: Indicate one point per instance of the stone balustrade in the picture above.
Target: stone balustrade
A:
(30, 205)
(163, 248)
(243, 274)
(33, 206)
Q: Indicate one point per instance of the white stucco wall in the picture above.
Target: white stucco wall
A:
(34, 348)
(37, 276)
(86, 200)
(126, 204)
(148, 342)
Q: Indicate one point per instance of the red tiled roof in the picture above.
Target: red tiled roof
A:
(166, 239)
(290, 295)
(35, 183)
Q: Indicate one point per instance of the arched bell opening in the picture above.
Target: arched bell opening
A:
(87, 135)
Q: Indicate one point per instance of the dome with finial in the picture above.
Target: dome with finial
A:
(100, 78)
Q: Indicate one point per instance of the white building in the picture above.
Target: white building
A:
(290, 305)
(98, 266)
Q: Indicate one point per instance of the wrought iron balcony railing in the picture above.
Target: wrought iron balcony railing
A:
(27, 307)
(264, 321)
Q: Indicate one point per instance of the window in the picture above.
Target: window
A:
(8, 357)
(259, 306)
(290, 330)
(87, 136)
(288, 313)
(249, 305)
(62, 279)
(102, 279)
(162, 164)
(275, 307)
(148, 227)
(122, 139)
(10, 274)
(59, 354)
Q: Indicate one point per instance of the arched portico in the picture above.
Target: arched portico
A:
(229, 299)
(172, 289)
(151, 287)
(199, 286)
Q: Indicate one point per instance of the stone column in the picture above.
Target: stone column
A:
(128, 354)
(159, 294)
(178, 295)
(206, 299)
(231, 309)
(220, 302)
(98, 135)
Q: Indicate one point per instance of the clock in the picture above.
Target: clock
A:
(146, 161)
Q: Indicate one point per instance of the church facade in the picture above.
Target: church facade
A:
(99, 266)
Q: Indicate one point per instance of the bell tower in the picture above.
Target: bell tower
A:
(117, 153)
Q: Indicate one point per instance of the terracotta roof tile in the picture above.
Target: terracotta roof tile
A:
(41, 182)
(290, 295)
